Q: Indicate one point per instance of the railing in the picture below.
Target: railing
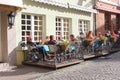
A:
(57, 56)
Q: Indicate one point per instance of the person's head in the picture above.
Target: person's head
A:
(99, 34)
(89, 33)
(72, 37)
(47, 37)
(51, 37)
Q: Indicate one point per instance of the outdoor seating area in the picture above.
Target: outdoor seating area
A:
(58, 56)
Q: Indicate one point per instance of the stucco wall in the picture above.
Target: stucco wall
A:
(50, 13)
(8, 38)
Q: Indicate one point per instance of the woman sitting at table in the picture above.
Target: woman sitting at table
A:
(90, 37)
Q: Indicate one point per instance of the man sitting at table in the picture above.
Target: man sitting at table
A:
(51, 41)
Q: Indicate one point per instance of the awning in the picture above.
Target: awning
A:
(50, 2)
(82, 8)
(107, 9)
(66, 5)
(11, 4)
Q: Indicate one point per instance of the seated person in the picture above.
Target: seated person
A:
(42, 50)
(51, 41)
(46, 40)
(73, 42)
(100, 39)
(115, 36)
(29, 41)
(90, 37)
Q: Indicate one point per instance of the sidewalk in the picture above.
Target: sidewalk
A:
(8, 72)
(21, 72)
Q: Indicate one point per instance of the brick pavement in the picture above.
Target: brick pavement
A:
(103, 68)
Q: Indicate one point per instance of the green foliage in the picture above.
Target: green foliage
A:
(112, 39)
(64, 43)
(103, 38)
(88, 41)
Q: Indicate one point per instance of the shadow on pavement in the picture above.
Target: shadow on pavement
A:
(22, 70)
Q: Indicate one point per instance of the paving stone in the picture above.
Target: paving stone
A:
(103, 68)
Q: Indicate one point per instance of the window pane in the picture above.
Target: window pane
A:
(28, 17)
(35, 38)
(40, 18)
(23, 38)
(23, 33)
(35, 17)
(40, 28)
(23, 27)
(35, 33)
(28, 27)
(36, 22)
(23, 16)
(28, 33)
(59, 24)
(23, 21)
(36, 28)
(59, 20)
(40, 23)
(29, 22)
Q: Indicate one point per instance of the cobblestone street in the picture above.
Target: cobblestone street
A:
(103, 68)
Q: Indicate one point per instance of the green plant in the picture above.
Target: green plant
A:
(103, 38)
(112, 39)
(64, 43)
(88, 41)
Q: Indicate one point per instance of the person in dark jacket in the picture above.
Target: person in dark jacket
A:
(52, 41)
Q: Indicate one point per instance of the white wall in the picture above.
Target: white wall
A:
(12, 2)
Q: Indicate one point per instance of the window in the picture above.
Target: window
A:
(32, 25)
(107, 20)
(84, 26)
(62, 28)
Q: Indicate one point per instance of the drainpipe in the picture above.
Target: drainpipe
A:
(94, 19)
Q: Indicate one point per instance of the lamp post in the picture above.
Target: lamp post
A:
(11, 19)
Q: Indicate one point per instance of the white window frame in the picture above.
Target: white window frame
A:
(33, 27)
(87, 23)
(62, 35)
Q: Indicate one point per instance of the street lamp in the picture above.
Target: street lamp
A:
(11, 18)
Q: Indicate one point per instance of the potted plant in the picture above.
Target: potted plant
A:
(64, 45)
(103, 38)
(113, 39)
(88, 41)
